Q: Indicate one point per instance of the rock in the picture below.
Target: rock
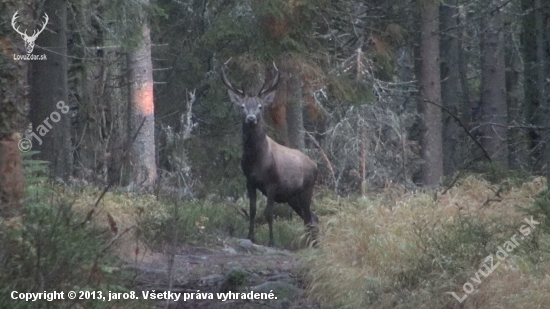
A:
(234, 281)
(283, 277)
(282, 290)
(271, 251)
(245, 243)
(211, 279)
(234, 264)
(230, 250)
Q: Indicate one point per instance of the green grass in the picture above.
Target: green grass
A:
(206, 223)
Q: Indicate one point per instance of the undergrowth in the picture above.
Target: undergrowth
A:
(406, 250)
(393, 249)
(209, 223)
(65, 243)
(51, 249)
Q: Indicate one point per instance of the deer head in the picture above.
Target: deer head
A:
(252, 106)
(29, 40)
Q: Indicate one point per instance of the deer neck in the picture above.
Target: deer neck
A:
(254, 138)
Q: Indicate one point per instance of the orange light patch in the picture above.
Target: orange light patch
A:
(143, 98)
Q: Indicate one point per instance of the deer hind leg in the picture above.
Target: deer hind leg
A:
(302, 205)
(252, 196)
(269, 217)
(296, 204)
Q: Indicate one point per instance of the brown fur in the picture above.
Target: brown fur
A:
(282, 174)
(12, 180)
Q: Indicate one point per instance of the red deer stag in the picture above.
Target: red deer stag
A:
(282, 174)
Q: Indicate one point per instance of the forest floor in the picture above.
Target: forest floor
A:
(238, 266)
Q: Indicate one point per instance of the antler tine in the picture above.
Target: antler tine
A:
(227, 83)
(16, 16)
(46, 19)
(274, 82)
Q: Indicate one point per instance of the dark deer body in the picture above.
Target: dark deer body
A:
(282, 174)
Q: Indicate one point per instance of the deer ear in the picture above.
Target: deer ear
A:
(268, 97)
(235, 97)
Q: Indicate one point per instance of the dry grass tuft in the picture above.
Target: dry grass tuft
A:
(126, 210)
(403, 250)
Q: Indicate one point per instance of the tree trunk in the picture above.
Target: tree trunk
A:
(101, 115)
(451, 90)
(12, 180)
(49, 100)
(541, 83)
(533, 55)
(142, 163)
(430, 95)
(13, 111)
(544, 11)
(517, 148)
(494, 120)
(294, 111)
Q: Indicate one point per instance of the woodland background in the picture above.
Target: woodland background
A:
(376, 92)
(388, 97)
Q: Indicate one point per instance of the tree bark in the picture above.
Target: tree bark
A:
(541, 82)
(544, 10)
(49, 100)
(12, 179)
(517, 137)
(142, 163)
(494, 117)
(14, 108)
(430, 95)
(294, 111)
(451, 90)
(533, 55)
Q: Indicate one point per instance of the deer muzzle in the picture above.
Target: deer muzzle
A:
(251, 119)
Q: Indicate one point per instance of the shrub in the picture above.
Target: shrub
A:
(52, 249)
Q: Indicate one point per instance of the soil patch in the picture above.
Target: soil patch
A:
(239, 267)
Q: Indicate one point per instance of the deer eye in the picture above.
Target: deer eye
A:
(260, 106)
(242, 106)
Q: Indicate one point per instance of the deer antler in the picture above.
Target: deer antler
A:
(24, 34)
(46, 19)
(273, 83)
(227, 83)
(15, 16)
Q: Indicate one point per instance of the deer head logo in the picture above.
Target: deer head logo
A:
(29, 40)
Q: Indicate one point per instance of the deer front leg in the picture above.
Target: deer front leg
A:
(269, 217)
(252, 196)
